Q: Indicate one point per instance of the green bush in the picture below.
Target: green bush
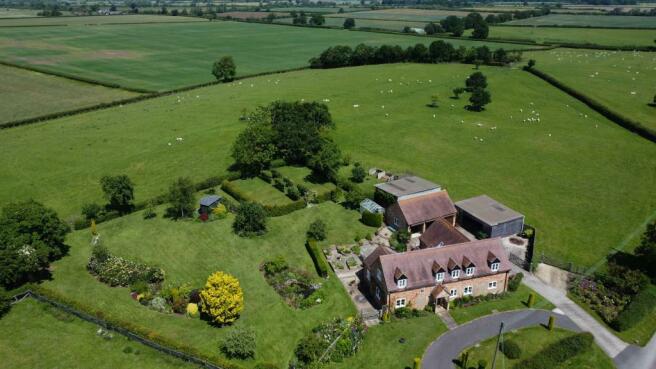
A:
(92, 211)
(231, 189)
(317, 230)
(5, 302)
(292, 193)
(266, 366)
(372, 219)
(250, 220)
(317, 256)
(556, 353)
(640, 307)
(280, 210)
(515, 281)
(482, 364)
(511, 349)
(266, 176)
(403, 313)
(239, 343)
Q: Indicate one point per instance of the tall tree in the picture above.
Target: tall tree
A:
(254, 148)
(349, 23)
(326, 162)
(317, 20)
(476, 80)
(481, 30)
(479, 98)
(119, 191)
(250, 220)
(181, 197)
(224, 69)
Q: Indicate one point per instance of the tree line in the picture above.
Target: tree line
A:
(437, 52)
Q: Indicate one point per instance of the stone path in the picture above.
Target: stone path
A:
(446, 318)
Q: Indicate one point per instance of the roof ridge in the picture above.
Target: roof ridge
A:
(447, 247)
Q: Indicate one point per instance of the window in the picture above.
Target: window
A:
(396, 221)
(402, 283)
(455, 273)
(467, 290)
(492, 285)
(439, 277)
(400, 302)
(377, 293)
(453, 293)
(495, 267)
(469, 271)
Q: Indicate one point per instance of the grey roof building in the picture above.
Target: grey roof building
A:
(408, 186)
(484, 214)
(371, 206)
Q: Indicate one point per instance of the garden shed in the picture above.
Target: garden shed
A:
(208, 203)
(482, 214)
(371, 206)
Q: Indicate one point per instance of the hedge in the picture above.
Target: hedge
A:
(372, 219)
(625, 122)
(235, 192)
(280, 210)
(556, 353)
(317, 256)
(511, 349)
(639, 308)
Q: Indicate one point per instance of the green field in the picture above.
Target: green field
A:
(599, 36)
(35, 335)
(423, 15)
(25, 94)
(618, 21)
(95, 20)
(587, 170)
(17, 13)
(314, 9)
(131, 55)
(189, 251)
(391, 25)
(623, 81)
(299, 175)
(534, 339)
(262, 192)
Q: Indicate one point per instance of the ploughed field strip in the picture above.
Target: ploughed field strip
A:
(533, 141)
(138, 56)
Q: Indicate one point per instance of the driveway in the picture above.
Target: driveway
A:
(449, 345)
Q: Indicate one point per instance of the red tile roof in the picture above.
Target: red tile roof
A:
(427, 207)
(441, 233)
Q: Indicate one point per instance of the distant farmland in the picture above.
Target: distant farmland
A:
(95, 20)
(599, 36)
(619, 21)
(419, 15)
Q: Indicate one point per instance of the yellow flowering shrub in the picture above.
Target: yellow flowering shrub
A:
(222, 298)
(192, 310)
(220, 211)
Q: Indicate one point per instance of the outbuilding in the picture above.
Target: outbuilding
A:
(484, 215)
(371, 206)
(208, 203)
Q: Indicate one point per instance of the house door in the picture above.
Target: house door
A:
(443, 302)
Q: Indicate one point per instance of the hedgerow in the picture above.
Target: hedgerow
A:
(317, 257)
(640, 306)
(558, 352)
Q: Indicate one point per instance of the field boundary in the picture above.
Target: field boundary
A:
(600, 108)
(131, 334)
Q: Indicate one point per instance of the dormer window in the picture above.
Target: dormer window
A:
(455, 274)
(469, 271)
(494, 267)
(439, 276)
(402, 283)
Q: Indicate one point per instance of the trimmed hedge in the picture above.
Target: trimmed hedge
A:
(317, 256)
(235, 192)
(372, 219)
(640, 307)
(558, 352)
(623, 121)
(511, 349)
(280, 210)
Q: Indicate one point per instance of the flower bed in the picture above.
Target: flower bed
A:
(330, 341)
(295, 286)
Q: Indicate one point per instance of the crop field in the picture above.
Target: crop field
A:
(581, 166)
(250, 15)
(623, 81)
(35, 335)
(316, 9)
(17, 13)
(392, 25)
(418, 15)
(25, 94)
(617, 21)
(132, 56)
(190, 251)
(599, 36)
(95, 20)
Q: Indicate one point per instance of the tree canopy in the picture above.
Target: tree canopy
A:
(224, 69)
(119, 191)
(181, 197)
(250, 220)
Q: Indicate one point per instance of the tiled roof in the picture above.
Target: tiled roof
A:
(441, 233)
(431, 206)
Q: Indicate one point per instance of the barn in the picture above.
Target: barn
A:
(484, 215)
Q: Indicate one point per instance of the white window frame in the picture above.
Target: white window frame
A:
(396, 221)
(453, 293)
(470, 271)
(455, 273)
(439, 276)
(400, 302)
(492, 285)
(402, 283)
(494, 267)
(468, 291)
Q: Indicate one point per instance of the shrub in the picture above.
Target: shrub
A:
(292, 193)
(192, 310)
(158, 303)
(353, 198)
(317, 230)
(139, 287)
(222, 298)
(345, 334)
(5, 302)
(220, 211)
(482, 364)
(640, 307)
(556, 353)
(239, 343)
(250, 220)
(266, 366)
(372, 219)
(91, 211)
(515, 281)
(358, 173)
(403, 313)
(117, 271)
(266, 176)
(149, 213)
(511, 349)
(275, 266)
(317, 256)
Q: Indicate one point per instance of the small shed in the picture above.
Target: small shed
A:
(208, 203)
(371, 206)
(486, 215)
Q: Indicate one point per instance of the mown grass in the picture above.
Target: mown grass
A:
(623, 81)
(517, 300)
(189, 251)
(35, 335)
(532, 340)
(599, 36)
(134, 55)
(17, 13)
(301, 175)
(583, 182)
(26, 94)
(618, 21)
(262, 192)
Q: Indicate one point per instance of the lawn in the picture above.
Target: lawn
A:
(616, 21)
(189, 251)
(599, 36)
(300, 175)
(534, 339)
(516, 300)
(382, 349)
(262, 192)
(35, 335)
(134, 55)
(17, 13)
(623, 81)
(587, 170)
(25, 94)
(95, 20)
(419, 15)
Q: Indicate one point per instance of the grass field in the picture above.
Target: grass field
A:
(95, 20)
(623, 81)
(131, 55)
(534, 339)
(392, 25)
(299, 175)
(262, 192)
(189, 251)
(35, 335)
(25, 94)
(599, 36)
(619, 21)
(587, 170)
(315, 9)
(423, 15)
(17, 13)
